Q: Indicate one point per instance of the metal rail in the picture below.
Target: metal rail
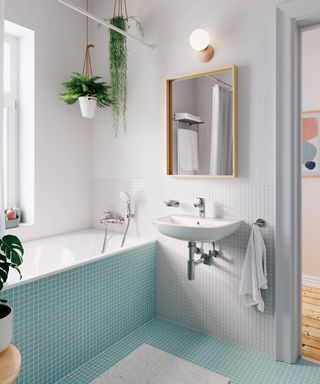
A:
(104, 23)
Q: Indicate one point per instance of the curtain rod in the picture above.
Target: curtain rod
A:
(220, 82)
(104, 23)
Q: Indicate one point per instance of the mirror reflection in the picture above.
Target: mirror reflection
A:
(202, 124)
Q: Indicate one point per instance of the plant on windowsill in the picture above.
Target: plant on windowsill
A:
(11, 257)
(89, 91)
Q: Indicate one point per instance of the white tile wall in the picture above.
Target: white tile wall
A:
(211, 303)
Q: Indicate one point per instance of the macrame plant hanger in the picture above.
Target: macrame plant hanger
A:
(120, 9)
(87, 67)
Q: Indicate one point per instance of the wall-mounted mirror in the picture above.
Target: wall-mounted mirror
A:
(202, 124)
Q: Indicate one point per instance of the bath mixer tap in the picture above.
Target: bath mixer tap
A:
(201, 204)
(112, 218)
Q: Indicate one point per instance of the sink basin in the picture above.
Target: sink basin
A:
(193, 228)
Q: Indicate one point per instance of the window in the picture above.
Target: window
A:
(18, 120)
(10, 121)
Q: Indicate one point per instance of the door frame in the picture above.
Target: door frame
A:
(290, 17)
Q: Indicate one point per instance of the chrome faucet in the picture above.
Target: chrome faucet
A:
(112, 218)
(201, 204)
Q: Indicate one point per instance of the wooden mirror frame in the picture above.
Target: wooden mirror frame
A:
(169, 118)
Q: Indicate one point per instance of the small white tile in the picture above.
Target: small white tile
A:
(211, 303)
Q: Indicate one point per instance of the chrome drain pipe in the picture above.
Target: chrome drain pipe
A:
(193, 249)
(206, 258)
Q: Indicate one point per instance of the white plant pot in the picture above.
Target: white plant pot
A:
(88, 106)
(5, 326)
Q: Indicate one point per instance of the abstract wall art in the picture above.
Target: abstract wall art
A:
(311, 143)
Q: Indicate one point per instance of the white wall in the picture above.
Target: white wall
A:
(242, 34)
(233, 26)
(1, 112)
(62, 137)
(311, 186)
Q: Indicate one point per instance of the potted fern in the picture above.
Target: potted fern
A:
(11, 257)
(89, 91)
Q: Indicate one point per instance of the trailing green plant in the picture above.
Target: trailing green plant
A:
(118, 74)
(118, 70)
(80, 85)
(11, 256)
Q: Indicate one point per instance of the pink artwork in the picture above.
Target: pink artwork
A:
(309, 128)
(310, 143)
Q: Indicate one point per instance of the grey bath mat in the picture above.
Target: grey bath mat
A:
(149, 365)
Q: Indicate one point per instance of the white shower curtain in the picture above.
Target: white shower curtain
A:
(221, 157)
(1, 117)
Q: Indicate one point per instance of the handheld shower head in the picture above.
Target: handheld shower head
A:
(125, 196)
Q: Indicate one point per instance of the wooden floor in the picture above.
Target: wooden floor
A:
(311, 323)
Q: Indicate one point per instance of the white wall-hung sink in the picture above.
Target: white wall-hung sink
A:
(194, 228)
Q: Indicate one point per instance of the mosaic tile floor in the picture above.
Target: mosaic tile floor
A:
(240, 364)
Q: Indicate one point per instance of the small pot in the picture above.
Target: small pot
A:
(88, 106)
(5, 326)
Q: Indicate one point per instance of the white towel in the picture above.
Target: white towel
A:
(254, 271)
(187, 116)
(188, 161)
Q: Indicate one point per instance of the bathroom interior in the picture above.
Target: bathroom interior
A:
(139, 190)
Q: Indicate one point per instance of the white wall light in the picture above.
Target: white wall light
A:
(200, 42)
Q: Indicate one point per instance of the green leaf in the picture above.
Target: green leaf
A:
(4, 270)
(12, 249)
(69, 98)
(11, 256)
(79, 85)
(17, 269)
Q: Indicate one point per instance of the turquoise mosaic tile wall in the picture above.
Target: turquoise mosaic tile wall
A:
(62, 321)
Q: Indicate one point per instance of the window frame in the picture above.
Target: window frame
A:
(11, 134)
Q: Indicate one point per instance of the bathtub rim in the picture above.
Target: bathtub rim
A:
(101, 256)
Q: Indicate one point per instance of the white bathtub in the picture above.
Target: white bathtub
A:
(55, 254)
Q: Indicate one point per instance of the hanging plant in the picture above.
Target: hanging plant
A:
(118, 64)
(85, 87)
(89, 91)
(118, 74)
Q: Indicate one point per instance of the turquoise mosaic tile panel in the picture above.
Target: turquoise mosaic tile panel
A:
(62, 321)
(240, 364)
